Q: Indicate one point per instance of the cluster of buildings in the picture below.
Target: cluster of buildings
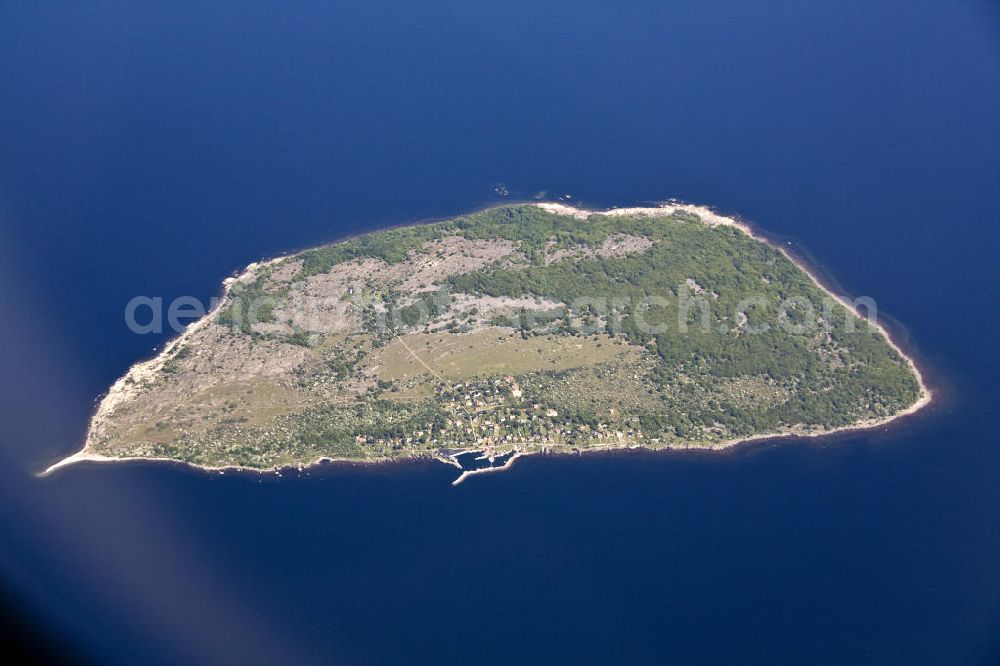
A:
(493, 415)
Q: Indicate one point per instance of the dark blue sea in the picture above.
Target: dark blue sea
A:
(153, 148)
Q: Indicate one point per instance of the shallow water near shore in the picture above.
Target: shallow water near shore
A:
(184, 144)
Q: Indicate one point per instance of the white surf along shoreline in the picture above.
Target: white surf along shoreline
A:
(122, 389)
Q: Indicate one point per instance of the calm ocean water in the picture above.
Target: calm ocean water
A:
(151, 150)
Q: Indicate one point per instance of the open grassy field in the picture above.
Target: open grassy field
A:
(491, 351)
(254, 403)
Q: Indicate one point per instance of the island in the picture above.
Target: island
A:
(520, 329)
